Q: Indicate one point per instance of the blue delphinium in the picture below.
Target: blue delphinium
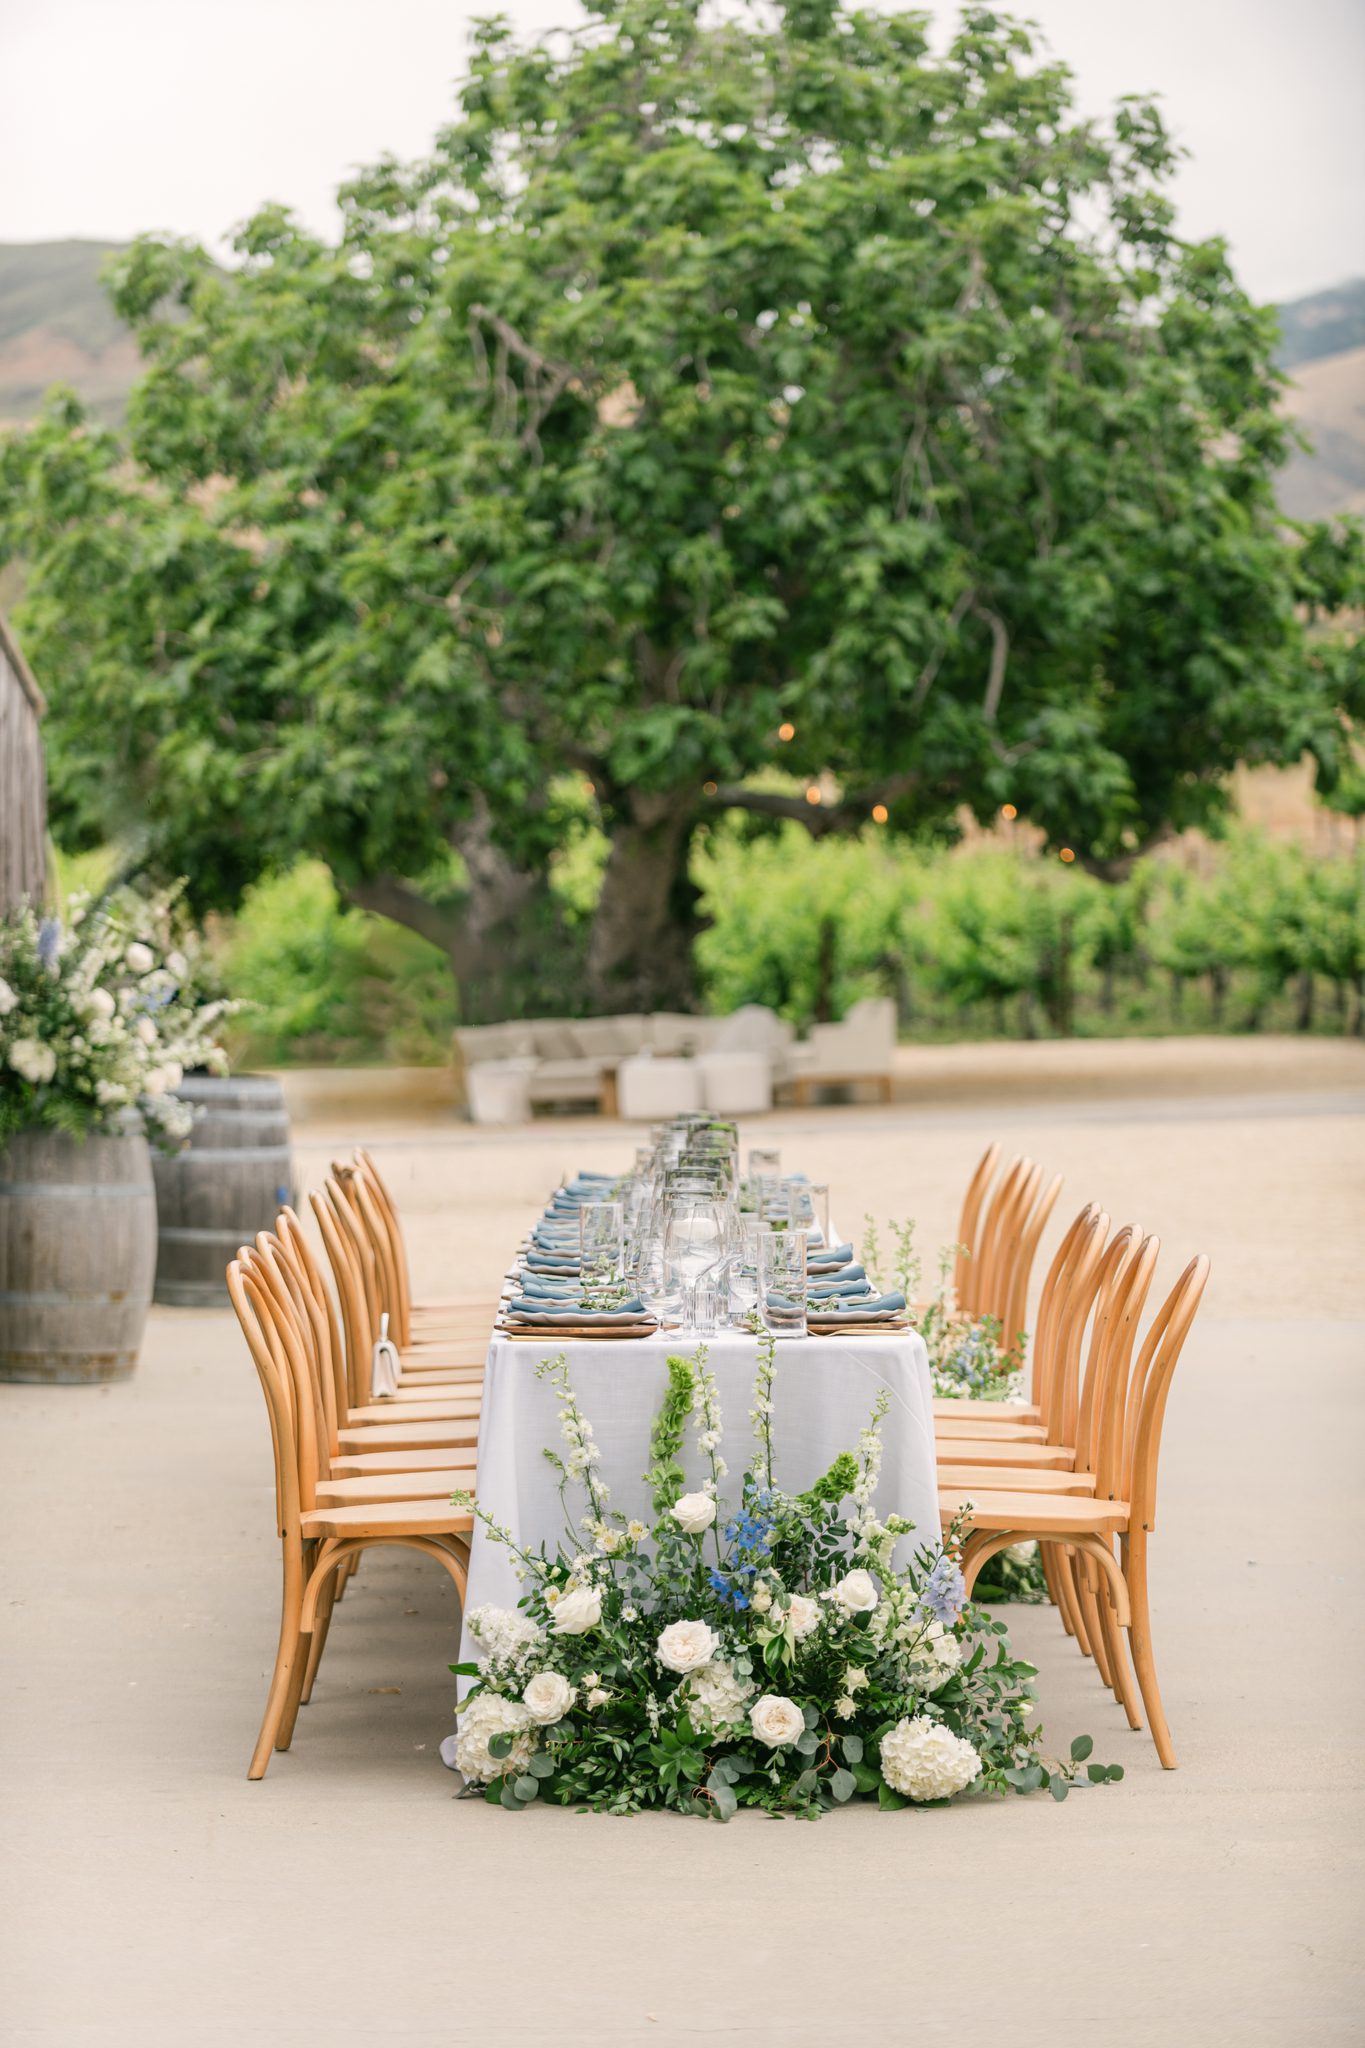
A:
(944, 1592)
(49, 943)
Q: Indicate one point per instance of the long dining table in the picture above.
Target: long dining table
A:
(824, 1391)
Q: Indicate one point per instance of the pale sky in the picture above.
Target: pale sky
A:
(123, 115)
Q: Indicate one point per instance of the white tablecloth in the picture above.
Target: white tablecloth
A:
(822, 1397)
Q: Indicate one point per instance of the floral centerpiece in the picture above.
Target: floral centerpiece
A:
(99, 1018)
(774, 1654)
(969, 1358)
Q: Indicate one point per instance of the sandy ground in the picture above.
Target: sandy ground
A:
(151, 1895)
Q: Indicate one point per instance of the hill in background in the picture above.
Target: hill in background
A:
(57, 327)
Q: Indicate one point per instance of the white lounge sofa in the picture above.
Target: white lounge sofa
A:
(544, 1060)
(862, 1048)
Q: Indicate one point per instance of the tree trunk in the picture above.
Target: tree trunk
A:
(1304, 1018)
(640, 951)
(1218, 987)
(503, 935)
(826, 962)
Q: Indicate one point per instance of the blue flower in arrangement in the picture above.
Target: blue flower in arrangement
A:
(725, 1590)
(49, 943)
(944, 1592)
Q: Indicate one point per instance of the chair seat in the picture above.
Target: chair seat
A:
(1010, 1432)
(1039, 1514)
(989, 1450)
(362, 1464)
(408, 1436)
(1020, 1479)
(398, 1518)
(362, 1489)
(987, 1411)
(416, 1411)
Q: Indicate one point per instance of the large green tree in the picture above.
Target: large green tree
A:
(713, 380)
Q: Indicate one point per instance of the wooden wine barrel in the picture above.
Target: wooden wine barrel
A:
(77, 1255)
(229, 1182)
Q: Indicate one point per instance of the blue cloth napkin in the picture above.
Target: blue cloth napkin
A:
(829, 1255)
(541, 1262)
(876, 1305)
(829, 1290)
(532, 1313)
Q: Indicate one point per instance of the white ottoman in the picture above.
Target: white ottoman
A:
(499, 1091)
(648, 1089)
(735, 1083)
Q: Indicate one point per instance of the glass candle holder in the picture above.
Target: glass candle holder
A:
(782, 1283)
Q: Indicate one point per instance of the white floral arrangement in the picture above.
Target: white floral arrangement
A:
(969, 1358)
(99, 1018)
(778, 1656)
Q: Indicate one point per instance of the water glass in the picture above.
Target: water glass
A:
(782, 1281)
(601, 1242)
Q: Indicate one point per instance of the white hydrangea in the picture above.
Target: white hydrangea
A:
(483, 1718)
(719, 1697)
(504, 1636)
(34, 1061)
(925, 1760)
(934, 1655)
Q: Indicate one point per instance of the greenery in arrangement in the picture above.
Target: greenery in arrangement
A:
(774, 1654)
(101, 1016)
(764, 415)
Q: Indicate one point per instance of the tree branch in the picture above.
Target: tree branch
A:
(1000, 654)
(389, 896)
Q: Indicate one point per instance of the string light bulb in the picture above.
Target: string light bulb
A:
(1066, 854)
(812, 794)
(880, 813)
(786, 731)
(1008, 813)
(708, 789)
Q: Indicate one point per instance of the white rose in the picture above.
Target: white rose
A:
(803, 1615)
(548, 1697)
(577, 1611)
(35, 1062)
(480, 1720)
(687, 1645)
(597, 1698)
(100, 1002)
(925, 1760)
(8, 999)
(146, 1030)
(856, 1592)
(776, 1721)
(141, 959)
(693, 1513)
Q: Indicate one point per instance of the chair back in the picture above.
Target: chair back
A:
(1015, 1319)
(1149, 1386)
(1050, 1307)
(967, 1222)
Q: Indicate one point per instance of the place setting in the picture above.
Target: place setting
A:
(692, 1242)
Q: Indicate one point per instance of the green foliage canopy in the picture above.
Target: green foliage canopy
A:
(706, 377)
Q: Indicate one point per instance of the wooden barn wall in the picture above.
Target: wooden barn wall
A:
(23, 792)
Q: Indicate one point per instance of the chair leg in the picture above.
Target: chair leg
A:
(317, 1642)
(1071, 1607)
(1124, 1690)
(1089, 1603)
(287, 1655)
(1140, 1640)
(1049, 1566)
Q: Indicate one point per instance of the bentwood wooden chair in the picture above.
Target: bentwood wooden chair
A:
(318, 1536)
(453, 1350)
(1008, 1250)
(1127, 1410)
(448, 1415)
(974, 1431)
(416, 1324)
(967, 1225)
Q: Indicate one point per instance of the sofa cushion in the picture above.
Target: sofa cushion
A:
(480, 1042)
(609, 1037)
(566, 1080)
(672, 1032)
(553, 1038)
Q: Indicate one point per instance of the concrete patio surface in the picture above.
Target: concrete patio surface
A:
(151, 1895)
